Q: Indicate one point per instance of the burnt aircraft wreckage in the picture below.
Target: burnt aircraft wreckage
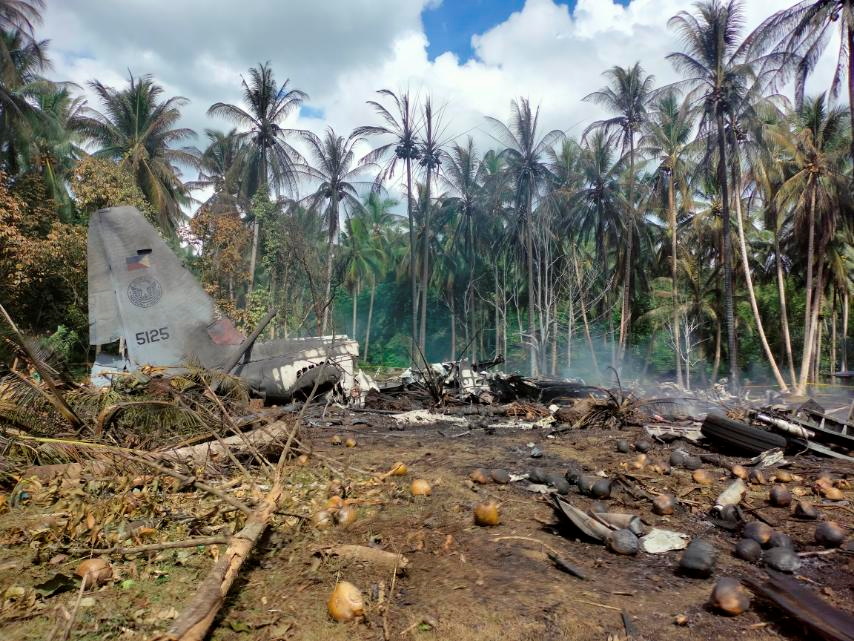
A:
(142, 296)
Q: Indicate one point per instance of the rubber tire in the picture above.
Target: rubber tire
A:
(740, 435)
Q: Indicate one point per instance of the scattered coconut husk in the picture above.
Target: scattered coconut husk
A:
(420, 487)
(389, 561)
(487, 514)
(346, 602)
(730, 597)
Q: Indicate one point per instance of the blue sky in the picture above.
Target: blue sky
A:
(450, 26)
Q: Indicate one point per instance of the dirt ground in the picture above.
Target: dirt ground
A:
(463, 581)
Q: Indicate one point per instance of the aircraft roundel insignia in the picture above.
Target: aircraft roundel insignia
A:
(144, 291)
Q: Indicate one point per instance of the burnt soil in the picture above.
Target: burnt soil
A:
(463, 581)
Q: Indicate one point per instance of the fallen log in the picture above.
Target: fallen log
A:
(211, 452)
(196, 618)
(797, 601)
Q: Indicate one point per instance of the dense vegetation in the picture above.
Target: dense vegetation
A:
(701, 229)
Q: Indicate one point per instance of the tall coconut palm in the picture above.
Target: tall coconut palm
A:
(21, 17)
(334, 168)
(382, 227)
(814, 191)
(718, 74)
(799, 35)
(270, 160)
(362, 260)
(526, 161)
(626, 95)
(430, 158)
(22, 61)
(137, 129)
(400, 125)
(667, 138)
(220, 166)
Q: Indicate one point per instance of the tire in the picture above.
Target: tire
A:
(740, 435)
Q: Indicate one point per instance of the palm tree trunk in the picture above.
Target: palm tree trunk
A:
(253, 258)
(496, 308)
(749, 279)
(671, 214)
(453, 356)
(833, 335)
(569, 335)
(425, 267)
(327, 299)
(370, 316)
(784, 314)
(355, 307)
(554, 347)
(529, 250)
(807, 347)
(844, 364)
(584, 318)
(811, 336)
(627, 275)
(817, 358)
(729, 312)
(716, 365)
(412, 261)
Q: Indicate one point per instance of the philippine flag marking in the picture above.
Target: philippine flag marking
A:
(138, 262)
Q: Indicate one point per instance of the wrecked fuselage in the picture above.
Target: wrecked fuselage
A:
(142, 296)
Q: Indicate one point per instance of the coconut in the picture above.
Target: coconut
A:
(781, 540)
(573, 472)
(730, 597)
(805, 510)
(560, 484)
(639, 462)
(94, 572)
(780, 496)
(480, 476)
(623, 542)
(420, 487)
(703, 477)
(663, 504)
(748, 550)
(661, 467)
(699, 558)
(346, 515)
(537, 475)
(346, 602)
(350, 442)
(783, 476)
(336, 440)
(586, 482)
(599, 507)
(623, 446)
(677, 458)
(757, 477)
(781, 559)
(739, 472)
(643, 445)
(334, 502)
(322, 519)
(758, 531)
(302, 459)
(502, 477)
(601, 489)
(832, 494)
(399, 469)
(486, 514)
(829, 534)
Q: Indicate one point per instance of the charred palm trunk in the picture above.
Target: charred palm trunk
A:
(327, 297)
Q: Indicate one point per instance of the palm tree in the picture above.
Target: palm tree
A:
(21, 17)
(402, 127)
(718, 76)
(334, 168)
(137, 129)
(362, 259)
(799, 36)
(627, 95)
(22, 60)
(382, 224)
(270, 161)
(462, 175)
(814, 191)
(527, 168)
(667, 139)
(53, 147)
(220, 166)
(430, 158)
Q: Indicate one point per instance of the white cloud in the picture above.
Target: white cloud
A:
(341, 51)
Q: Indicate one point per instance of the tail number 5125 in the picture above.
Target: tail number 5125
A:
(152, 336)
